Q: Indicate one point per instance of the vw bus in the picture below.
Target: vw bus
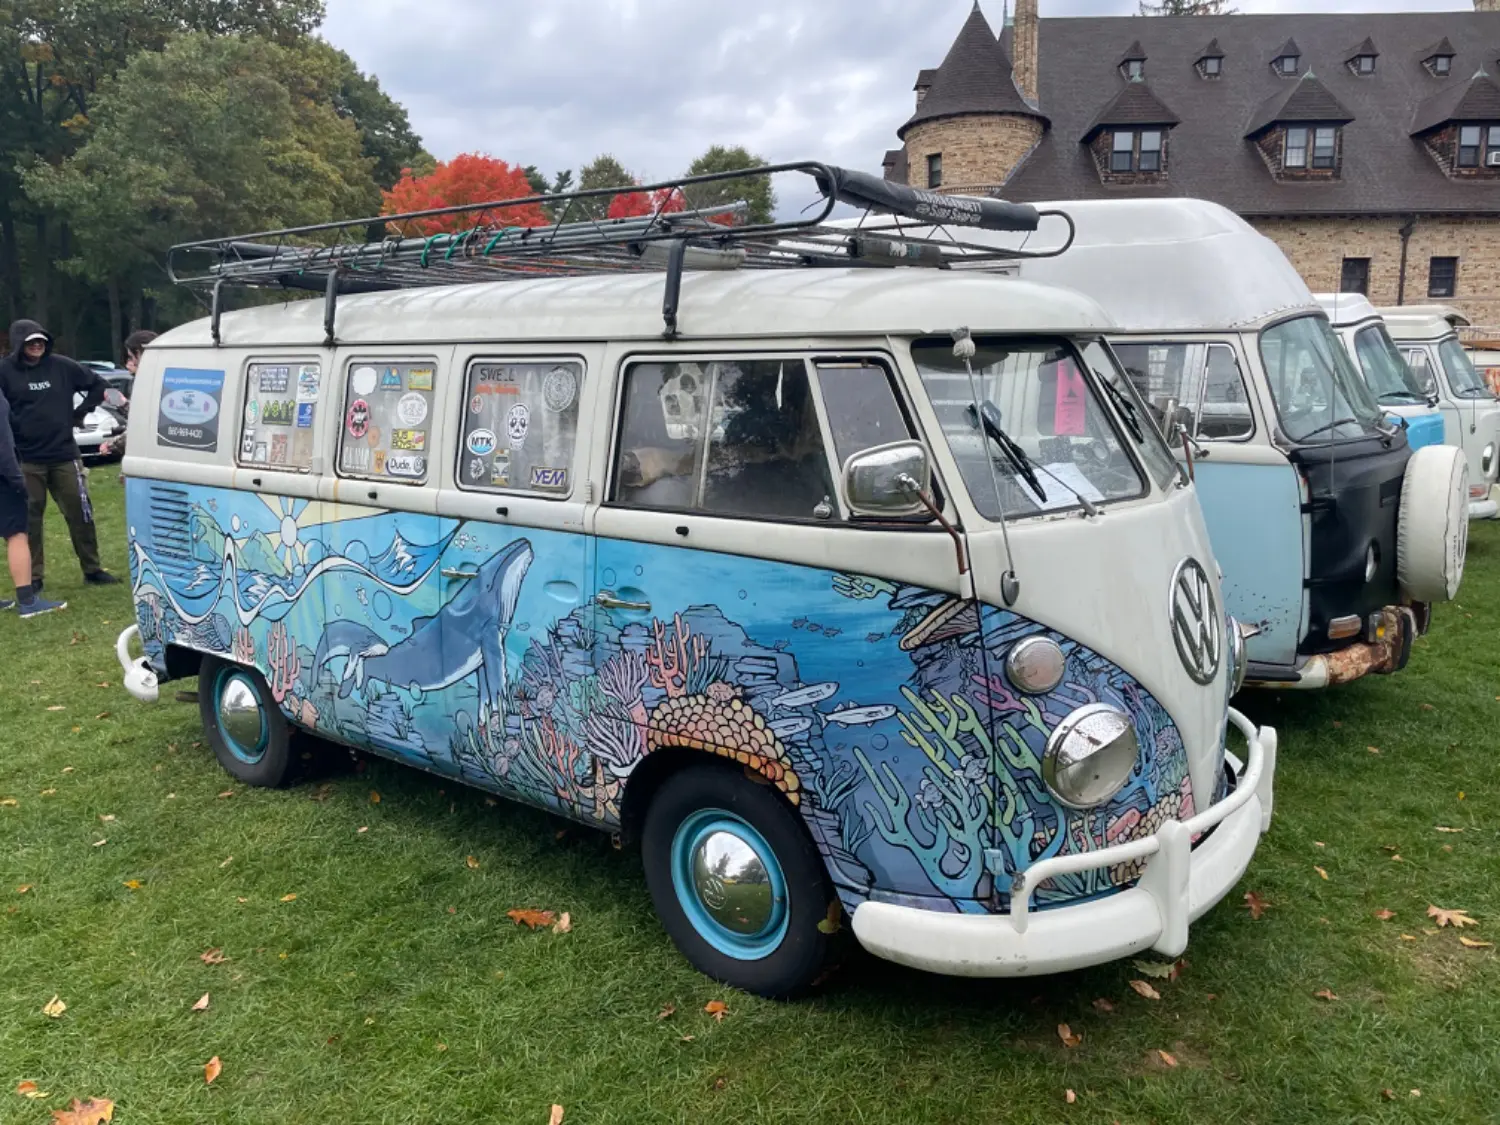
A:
(1471, 417)
(1395, 386)
(1334, 538)
(860, 590)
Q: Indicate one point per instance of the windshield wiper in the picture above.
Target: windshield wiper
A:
(1014, 454)
(1402, 396)
(1330, 426)
(1125, 407)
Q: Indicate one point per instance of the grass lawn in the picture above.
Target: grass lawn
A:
(393, 988)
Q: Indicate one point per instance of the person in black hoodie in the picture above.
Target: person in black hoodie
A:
(13, 521)
(40, 388)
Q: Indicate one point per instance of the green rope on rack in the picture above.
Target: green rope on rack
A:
(497, 240)
(459, 241)
(427, 246)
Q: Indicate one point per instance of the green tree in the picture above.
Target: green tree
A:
(756, 191)
(385, 130)
(208, 136)
(603, 172)
(1186, 8)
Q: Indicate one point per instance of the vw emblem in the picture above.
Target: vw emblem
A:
(1197, 627)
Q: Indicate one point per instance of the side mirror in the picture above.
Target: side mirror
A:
(888, 480)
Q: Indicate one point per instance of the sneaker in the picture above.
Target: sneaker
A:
(101, 578)
(38, 606)
(7, 603)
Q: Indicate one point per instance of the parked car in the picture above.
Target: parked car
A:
(100, 425)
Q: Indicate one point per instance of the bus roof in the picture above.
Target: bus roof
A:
(1347, 308)
(1422, 322)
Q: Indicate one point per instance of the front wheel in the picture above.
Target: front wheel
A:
(736, 881)
(248, 732)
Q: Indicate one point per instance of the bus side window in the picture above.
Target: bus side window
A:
(384, 433)
(520, 426)
(281, 404)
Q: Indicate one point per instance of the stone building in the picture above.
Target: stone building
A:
(1366, 146)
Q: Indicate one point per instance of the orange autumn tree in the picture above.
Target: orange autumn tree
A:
(637, 204)
(467, 178)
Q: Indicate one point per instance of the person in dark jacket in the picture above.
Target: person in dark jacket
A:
(40, 388)
(13, 521)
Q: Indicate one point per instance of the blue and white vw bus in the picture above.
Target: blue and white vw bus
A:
(868, 591)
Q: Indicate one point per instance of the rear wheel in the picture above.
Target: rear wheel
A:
(736, 880)
(247, 730)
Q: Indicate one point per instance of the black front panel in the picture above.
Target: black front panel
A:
(1356, 499)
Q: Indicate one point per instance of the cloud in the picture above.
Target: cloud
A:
(655, 82)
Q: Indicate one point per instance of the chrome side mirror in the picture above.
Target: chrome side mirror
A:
(888, 480)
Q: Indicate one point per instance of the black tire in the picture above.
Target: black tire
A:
(783, 962)
(268, 761)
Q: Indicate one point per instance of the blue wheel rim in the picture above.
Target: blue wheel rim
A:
(250, 755)
(685, 843)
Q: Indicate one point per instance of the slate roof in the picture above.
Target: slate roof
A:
(1133, 105)
(1478, 99)
(1365, 48)
(976, 77)
(1383, 169)
(1289, 49)
(925, 77)
(1212, 51)
(1441, 47)
(895, 166)
(1308, 100)
(1133, 53)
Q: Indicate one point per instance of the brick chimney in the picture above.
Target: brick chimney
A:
(1025, 48)
(1487, 5)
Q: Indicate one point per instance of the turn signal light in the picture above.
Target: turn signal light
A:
(1342, 627)
(1478, 491)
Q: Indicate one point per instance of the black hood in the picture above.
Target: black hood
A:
(18, 333)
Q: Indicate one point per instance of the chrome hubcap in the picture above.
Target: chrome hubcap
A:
(732, 883)
(240, 715)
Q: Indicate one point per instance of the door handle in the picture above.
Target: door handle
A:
(449, 572)
(607, 599)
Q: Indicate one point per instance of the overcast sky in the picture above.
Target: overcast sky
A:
(655, 82)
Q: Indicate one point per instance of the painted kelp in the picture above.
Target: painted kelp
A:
(879, 710)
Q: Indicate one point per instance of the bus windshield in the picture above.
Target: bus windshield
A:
(1319, 395)
(1386, 372)
(1465, 381)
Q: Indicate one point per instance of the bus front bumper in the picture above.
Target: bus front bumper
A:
(1180, 884)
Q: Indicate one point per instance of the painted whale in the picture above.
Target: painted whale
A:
(466, 636)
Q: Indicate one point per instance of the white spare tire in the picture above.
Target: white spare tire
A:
(1432, 534)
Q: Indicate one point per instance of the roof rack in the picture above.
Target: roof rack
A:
(902, 226)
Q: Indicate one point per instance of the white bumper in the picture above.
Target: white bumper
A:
(1486, 509)
(140, 680)
(1179, 885)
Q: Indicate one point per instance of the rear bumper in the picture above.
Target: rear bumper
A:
(1180, 884)
(1368, 658)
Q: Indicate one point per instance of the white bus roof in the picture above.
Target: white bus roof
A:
(731, 304)
(1167, 264)
(1422, 322)
(1347, 308)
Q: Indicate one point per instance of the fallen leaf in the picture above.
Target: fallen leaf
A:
(1427, 707)
(535, 919)
(133, 884)
(1145, 990)
(1428, 932)
(1103, 1005)
(226, 862)
(104, 684)
(1455, 918)
(374, 797)
(556, 1117)
(100, 843)
(90, 1112)
(666, 1011)
(1325, 994)
(211, 1070)
(202, 1004)
(213, 957)
(1069, 1097)
(1065, 1033)
(1388, 1094)
(357, 831)
(717, 1008)
(1408, 937)
(101, 715)
(226, 793)
(28, 1089)
(1388, 847)
(1320, 871)
(564, 924)
(107, 818)
(1256, 904)
(59, 707)
(1447, 847)
(9, 803)
(289, 898)
(1319, 844)
(1397, 859)
(322, 793)
(23, 888)
(1373, 749)
(1474, 944)
(1415, 1092)
(54, 1008)
(1460, 794)
(49, 793)
(1167, 1060)
(67, 769)
(686, 1038)
(472, 863)
(1154, 969)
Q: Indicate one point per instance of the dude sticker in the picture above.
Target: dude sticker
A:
(390, 379)
(357, 421)
(559, 389)
(407, 465)
(274, 380)
(414, 441)
(188, 413)
(305, 415)
(482, 443)
(277, 412)
(517, 423)
(411, 410)
(308, 384)
(551, 480)
(419, 378)
(278, 449)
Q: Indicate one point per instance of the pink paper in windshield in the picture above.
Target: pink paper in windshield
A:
(1070, 416)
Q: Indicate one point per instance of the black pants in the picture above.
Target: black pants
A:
(65, 481)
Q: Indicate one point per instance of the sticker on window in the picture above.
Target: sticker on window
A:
(188, 414)
(1071, 417)
(481, 443)
(358, 420)
(274, 380)
(309, 383)
(549, 478)
(410, 465)
(420, 379)
(520, 424)
(412, 441)
(305, 415)
(517, 423)
(277, 412)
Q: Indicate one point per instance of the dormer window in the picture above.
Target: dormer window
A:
(1134, 68)
(1442, 65)
(1210, 63)
(1136, 151)
(1361, 59)
(1286, 65)
(1438, 59)
(1310, 146)
(1479, 146)
(1213, 67)
(1364, 64)
(1132, 63)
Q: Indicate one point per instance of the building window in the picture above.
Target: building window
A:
(1150, 151)
(1355, 276)
(935, 170)
(1442, 65)
(1295, 155)
(1468, 146)
(1286, 65)
(1492, 154)
(1324, 146)
(1134, 68)
(1122, 156)
(1442, 277)
(1213, 66)
(1364, 64)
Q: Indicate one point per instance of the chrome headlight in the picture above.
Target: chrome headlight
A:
(1036, 665)
(1090, 756)
(1238, 665)
(1487, 459)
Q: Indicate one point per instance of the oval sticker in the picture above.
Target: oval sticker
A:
(189, 407)
(482, 443)
(358, 419)
(363, 380)
(405, 464)
(412, 409)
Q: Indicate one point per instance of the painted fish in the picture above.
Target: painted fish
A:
(799, 623)
(805, 697)
(860, 716)
(790, 728)
(814, 627)
(830, 633)
(874, 638)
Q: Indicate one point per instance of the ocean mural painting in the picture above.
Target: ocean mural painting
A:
(879, 710)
